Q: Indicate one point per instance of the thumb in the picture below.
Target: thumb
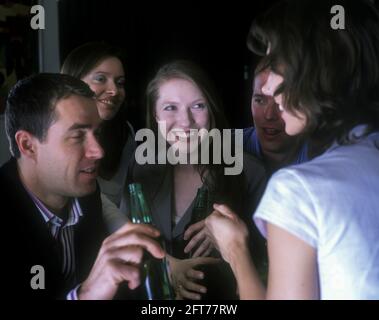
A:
(207, 260)
(224, 210)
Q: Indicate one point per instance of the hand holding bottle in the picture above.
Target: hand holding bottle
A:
(156, 274)
(118, 261)
(199, 243)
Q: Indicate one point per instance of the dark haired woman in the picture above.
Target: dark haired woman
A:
(101, 67)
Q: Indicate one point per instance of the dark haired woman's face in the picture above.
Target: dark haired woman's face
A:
(107, 80)
(295, 121)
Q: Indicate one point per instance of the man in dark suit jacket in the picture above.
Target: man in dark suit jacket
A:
(53, 207)
(37, 246)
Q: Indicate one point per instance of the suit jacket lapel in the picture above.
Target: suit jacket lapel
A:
(37, 243)
(161, 201)
(183, 223)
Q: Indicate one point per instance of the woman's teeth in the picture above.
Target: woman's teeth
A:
(108, 102)
(185, 134)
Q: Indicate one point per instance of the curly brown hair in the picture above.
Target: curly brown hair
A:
(332, 76)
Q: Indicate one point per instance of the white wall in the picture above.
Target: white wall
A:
(48, 39)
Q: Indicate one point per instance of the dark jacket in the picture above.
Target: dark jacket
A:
(157, 184)
(29, 241)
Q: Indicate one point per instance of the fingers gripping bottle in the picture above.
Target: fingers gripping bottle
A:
(157, 283)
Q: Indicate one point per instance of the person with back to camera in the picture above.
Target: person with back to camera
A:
(321, 217)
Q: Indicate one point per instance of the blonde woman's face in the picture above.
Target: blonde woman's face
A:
(107, 80)
(182, 107)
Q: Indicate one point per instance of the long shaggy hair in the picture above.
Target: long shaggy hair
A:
(332, 76)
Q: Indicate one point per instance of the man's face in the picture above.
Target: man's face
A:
(67, 160)
(269, 125)
(295, 121)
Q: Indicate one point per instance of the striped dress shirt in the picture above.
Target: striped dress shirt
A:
(63, 232)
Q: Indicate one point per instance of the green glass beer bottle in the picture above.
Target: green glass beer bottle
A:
(157, 283)
(200, 208)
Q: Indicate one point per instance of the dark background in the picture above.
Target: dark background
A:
(211, 34)
(18, 45)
